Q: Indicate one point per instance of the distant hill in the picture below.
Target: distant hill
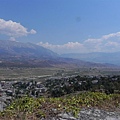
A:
(14, 53)
(17, 49)
(17, 54)
(97, 57)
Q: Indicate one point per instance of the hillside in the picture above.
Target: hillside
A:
(17, 54)
(18, 49)
(73, 107)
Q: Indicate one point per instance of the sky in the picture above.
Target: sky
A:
(63, 26)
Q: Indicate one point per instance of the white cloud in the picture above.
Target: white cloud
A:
(32, 32)
(70, 47)
(107, 43)
(111, 35)
(13, 29)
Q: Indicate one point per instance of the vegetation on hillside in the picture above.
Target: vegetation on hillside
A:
(37, 108)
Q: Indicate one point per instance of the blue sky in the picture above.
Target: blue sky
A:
(63, 26)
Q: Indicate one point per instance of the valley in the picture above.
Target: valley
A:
(35, 78)
(13, 73)
(59, 93)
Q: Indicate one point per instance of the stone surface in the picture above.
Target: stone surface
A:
(89, 114)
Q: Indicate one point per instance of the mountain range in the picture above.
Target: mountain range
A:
(17, 54)
(97, 57)
(13, 48)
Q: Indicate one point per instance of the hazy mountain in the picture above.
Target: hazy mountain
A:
(15, 49)
(98, 57)
(19, 54)
(14, 53)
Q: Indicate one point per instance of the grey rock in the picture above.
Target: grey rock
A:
(66, 116)
(89, 114)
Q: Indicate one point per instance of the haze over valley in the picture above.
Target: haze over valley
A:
(59, 60)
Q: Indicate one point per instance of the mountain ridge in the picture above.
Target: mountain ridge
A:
(29, 49)
(97, 57)
(19, 54)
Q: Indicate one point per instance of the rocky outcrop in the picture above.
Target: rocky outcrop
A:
(89, 114)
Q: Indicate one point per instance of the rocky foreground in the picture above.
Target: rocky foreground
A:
(86, 114)
(90, 114)
(82, 106)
